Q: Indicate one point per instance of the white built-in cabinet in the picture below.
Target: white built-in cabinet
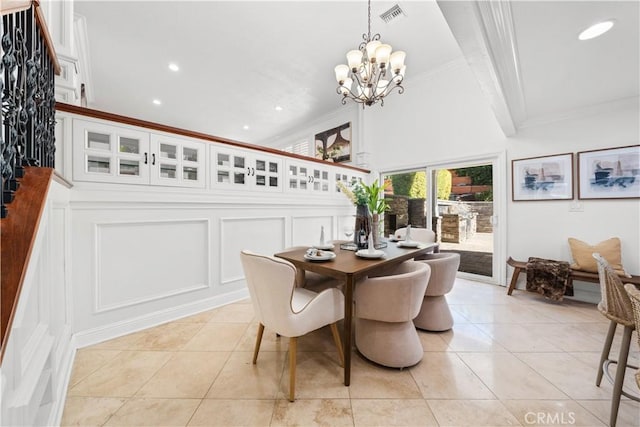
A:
(308, 177)
(118, 153)
(107, 153)
(235, 168)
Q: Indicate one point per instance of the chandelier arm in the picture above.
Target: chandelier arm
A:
(390, 89)
(349, 95)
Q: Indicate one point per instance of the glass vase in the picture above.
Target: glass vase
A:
(375, 229)
(363, 221)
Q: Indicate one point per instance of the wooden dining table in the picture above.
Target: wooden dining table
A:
(348, 267)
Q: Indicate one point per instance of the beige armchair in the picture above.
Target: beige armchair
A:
(288, 310)
(314, 281)
(435, 314)
(421, 235)
(418, 234)
(384, 308)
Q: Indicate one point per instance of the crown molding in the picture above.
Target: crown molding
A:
(630, 103)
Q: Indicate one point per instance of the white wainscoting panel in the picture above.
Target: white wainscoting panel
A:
(260, 235)
(139, 262)
(305, 230)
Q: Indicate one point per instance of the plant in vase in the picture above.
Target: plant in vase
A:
(377, 206)
(369, 207)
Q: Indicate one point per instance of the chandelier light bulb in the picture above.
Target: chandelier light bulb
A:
(371, 48)
(345, 88)
(397, 60)
(382, 54)
(342, 71)
(354, 59)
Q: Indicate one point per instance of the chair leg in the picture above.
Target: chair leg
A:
(293, 341)
(338, 341)
(606, 350)
(620, 370)
(258, 341)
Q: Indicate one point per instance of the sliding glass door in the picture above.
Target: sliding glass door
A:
(462, 201)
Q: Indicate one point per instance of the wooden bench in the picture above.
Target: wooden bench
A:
(582, 276)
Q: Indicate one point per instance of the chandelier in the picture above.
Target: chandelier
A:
(373, 71)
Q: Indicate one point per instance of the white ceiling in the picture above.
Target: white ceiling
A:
(239, 59)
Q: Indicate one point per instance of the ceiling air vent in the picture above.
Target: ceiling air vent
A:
(392, 14)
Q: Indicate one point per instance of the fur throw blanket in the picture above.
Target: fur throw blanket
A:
(549, 278)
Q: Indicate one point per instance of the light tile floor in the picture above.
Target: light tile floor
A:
(517, 360)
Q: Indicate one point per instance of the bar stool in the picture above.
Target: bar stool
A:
(615, 306)
(634, 295)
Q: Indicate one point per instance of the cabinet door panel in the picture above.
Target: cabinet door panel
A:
(107, 153)
(177, 162)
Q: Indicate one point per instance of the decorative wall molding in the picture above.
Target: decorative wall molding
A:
(265, 234)
(99, 257)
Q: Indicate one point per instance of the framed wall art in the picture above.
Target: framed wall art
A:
(334, 144)
(611, 173)
(542, 178)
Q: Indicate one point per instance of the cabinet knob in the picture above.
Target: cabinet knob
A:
(153, 158)
(146, 158)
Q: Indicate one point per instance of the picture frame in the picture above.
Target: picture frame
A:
(542, 178)
(609, 173)
(334, 144)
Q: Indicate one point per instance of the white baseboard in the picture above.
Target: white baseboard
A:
(114, 330)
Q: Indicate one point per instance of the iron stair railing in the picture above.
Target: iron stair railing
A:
(27, 70)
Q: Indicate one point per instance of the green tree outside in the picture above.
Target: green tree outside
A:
(444, 184)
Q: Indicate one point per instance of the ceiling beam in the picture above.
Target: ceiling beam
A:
(484, 31)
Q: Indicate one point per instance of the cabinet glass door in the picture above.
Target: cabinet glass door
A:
(320, 180)
(230, 169)
(109, 153)
(266, 174)
(177, 162)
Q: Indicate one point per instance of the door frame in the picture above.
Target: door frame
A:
(499, 219)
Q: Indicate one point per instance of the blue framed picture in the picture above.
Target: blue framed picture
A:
(611, 173)
(542, 178)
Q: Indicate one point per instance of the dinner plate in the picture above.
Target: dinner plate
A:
(364, 253)
(408, 244)
(326, 256)
(325, 247)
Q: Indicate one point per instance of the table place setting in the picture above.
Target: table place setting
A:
(314, 254)
(370, 251)
(322, 251)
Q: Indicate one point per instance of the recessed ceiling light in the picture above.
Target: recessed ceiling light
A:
(173, 66)
(157, 102)
(278, 108)
(596, 30)
(245, 127)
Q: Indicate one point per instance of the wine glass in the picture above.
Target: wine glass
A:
(348, 231)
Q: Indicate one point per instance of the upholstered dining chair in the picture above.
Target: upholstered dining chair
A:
(435, 314)
(634, 296)
(288, 310)
(421, 235)
(314, 281)
(384, 308)
(615, 305)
